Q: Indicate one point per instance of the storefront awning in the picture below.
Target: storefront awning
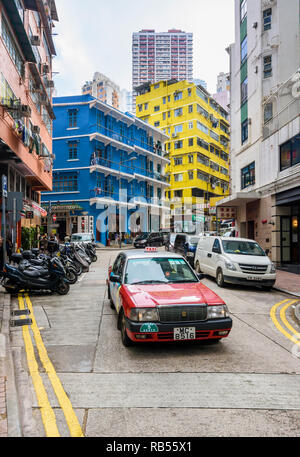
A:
(63, 207)
(239, 199)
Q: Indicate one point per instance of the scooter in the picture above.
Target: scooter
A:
(15, 280)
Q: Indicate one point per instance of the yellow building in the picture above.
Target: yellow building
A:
(198, 148)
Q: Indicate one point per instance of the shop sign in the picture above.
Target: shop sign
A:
(226, 212)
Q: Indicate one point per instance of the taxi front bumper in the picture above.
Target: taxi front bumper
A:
(205, 330)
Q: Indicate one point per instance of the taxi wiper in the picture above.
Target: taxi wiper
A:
(150, 281)
(183, 280)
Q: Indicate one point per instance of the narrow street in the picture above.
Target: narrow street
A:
(246, 385)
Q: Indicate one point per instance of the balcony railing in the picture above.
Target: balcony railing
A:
(124, 197)
(154, 148)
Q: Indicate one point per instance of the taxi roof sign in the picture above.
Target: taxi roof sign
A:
(150, 249)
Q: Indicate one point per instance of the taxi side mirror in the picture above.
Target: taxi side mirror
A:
(115, 278)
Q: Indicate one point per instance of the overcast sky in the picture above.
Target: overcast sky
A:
(96, 35)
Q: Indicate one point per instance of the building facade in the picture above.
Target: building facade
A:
(222, 96)
(26, 113)
(161, 56)
(108, 173)
(265, 139)
(104, 89)
(198, 148)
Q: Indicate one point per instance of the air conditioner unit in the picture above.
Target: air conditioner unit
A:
(52, 156)
(25, 111)
(36, 129)
(35, 40)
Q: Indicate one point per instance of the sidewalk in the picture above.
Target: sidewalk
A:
(9, 407)
(288, 282)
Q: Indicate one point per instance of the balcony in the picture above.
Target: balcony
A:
(108, 167)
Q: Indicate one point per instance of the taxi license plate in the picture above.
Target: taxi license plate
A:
(253, 278)
(185, 333)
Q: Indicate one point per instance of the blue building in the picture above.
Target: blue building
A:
(108, 172)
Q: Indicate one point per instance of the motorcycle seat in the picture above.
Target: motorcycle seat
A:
(32, 273)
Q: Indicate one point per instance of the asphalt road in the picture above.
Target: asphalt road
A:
(84, 382)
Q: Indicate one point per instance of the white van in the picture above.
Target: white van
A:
(235, 261)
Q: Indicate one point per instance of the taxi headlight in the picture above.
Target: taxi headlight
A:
(144, 315)
(217, 312)
(273, 269)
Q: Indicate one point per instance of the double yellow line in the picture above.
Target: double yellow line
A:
(282, 313)
(47, 413)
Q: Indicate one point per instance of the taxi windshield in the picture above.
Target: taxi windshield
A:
(242, 248)
(156, 270)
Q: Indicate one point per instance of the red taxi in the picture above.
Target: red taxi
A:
(158, 297)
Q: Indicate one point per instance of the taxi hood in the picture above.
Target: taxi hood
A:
(151, 295)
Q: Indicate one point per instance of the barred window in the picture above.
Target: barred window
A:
(65, 182)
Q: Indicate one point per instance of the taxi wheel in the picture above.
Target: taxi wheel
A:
(125, 339)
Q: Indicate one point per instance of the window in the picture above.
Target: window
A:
(164, 116)
(72, 113)
(191, 125)
(214, 135)
(178, 161)
(178, 128)
(146, 106)
(189, 91)
(178, 144)
(178, 193)
(12, 48)
(244, 131)
(267, 66)
(164, 100)
(191, 175)
(203, 128)
(191, 141)
(202, 176)
(290, 153)
(267, 16)
(73, 150)
(243, 10)
(156, 108)
(214, 166)
(156, 124)
(244, 91)
(177, 96)
(66, 182)
(202, 144)
(178, 177)
(202, 111)
(201, 94)
(203, 160)
(268, 112)
(191, 158)
(190, 108)
(244, 49)
(178, 112)
(140, 107)
(156, 86)
(248, 176)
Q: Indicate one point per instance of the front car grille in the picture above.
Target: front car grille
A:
(256, 269)
(182, 313)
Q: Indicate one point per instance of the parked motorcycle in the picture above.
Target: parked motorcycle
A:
(30, 278)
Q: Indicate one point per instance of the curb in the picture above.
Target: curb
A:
(295, 294)
(297, 313)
